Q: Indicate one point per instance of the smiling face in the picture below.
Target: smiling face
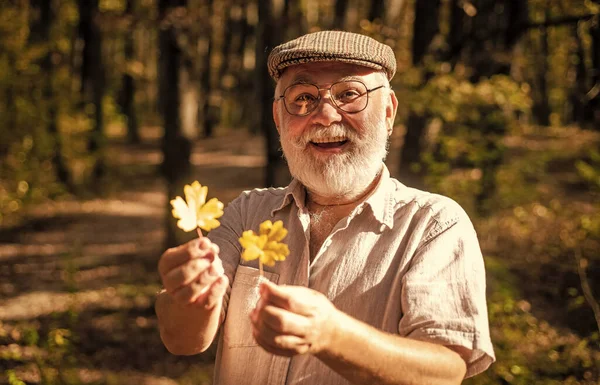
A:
(335, 154)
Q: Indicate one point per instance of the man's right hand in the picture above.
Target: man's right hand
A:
(193, 274)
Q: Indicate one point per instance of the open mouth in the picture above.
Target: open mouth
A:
(329, 143)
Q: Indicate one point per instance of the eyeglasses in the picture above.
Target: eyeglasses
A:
(350, 96)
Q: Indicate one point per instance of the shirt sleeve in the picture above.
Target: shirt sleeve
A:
(443, 292)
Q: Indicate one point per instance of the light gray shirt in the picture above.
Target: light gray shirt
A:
(404, 261)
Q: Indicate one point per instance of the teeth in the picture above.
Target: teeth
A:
(329, 140)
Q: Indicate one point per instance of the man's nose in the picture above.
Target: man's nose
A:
(326, 112)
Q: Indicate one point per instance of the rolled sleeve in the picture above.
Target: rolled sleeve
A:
(443, 292)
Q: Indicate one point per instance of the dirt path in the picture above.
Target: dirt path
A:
(90, 267)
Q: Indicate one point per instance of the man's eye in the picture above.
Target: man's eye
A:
(347, 96)
(304, 99)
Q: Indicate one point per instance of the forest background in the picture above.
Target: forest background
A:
(108, 107)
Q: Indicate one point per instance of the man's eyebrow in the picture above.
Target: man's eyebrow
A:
(301, 79)
(350, 77)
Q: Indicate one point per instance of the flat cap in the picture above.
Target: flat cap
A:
(336, 46)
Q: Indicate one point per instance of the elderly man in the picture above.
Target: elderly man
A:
(384, 284)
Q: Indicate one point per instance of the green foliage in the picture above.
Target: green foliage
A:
(13, 379)
(454, 99)
(589, 170)
(529, 350)
(473, 120)
(25, 144)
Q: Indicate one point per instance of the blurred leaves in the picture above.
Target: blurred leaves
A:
(589, 169)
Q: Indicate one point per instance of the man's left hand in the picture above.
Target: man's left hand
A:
(290, 320)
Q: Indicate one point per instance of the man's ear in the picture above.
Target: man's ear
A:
(390, 112)
(276, 116)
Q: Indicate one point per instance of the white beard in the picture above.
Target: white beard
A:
(345, 175)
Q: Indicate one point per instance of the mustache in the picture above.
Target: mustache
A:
(322, 132)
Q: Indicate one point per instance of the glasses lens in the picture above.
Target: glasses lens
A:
(301, 99)
(350, 96)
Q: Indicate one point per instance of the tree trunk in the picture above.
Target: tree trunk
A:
(175, 147)
(542, 107)
(85, 34)
(457, 33)
(244, 77)
(594, 93)
(128, 83)
(394, 12)
(376, 10)
(60, 168)
(226, 46)
(494, 132)
(92, 81)
(579, 88)
(424, 30)
(412, 170)
(339, 21)
(267, 36)
(518, 18)
(205, 85)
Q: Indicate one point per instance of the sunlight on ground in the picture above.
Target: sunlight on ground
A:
(43, 303)
(224, 159)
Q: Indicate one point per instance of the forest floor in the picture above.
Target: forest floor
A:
(78, 277)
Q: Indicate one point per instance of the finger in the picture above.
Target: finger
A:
(284, 321)
(269, 347)
(179, 255)
(267, 334)
(216, 292)
(297, 344)
(190, 293)
(217, 265)
(283, 296)
(185, 274)
(276, 337)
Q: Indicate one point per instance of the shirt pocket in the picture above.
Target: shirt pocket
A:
(242, 300)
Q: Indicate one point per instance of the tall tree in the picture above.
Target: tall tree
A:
(580, 87)
(176, 148)
(594, 93)
(424, 30)
(268, 37)
(92, 80)
(541, 106)
(339, 20)
(205, 84)
(376, 10)
(44, 29)
(128, 84)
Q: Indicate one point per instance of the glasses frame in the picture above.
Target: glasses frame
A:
(333, 101)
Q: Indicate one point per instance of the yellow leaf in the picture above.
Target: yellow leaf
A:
(266, 246)
(276, 231)
(195, 211)
(187, 217)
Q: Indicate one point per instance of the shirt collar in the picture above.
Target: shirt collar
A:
(381, 201)
(294, 192)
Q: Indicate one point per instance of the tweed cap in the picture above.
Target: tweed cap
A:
(336, 46)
